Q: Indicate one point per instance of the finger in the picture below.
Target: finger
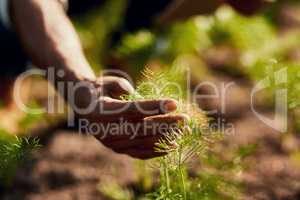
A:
(145, 143)
(149, 136)
(123, 144)
(158, 127)
(113, 110)
(168, 118)
(143, 154)
(115, 87)
(169, 125)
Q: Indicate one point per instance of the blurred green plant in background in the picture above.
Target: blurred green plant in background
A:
(95, 30)
(13, 152)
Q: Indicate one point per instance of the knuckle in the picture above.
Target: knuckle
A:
(122, 81)
(117, 82)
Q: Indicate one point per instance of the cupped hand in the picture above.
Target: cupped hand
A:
(127, 127)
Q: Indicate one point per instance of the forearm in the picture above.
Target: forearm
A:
(49, 38)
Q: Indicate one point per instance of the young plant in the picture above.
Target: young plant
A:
(192, 140)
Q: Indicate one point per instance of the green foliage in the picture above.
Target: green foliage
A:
(247, 150)
(137, 48)
(288, 73)
(95, 30)
(145, 176)
(245, 33)
(13, 152)
(161, 84)
(263, 53)
(114, 191)
(256, 40)
(213, 186)
(135, 43)
(31, 118)
(254, 37)
(188, 37)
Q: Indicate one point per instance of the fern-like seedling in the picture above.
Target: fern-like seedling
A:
(194, 136)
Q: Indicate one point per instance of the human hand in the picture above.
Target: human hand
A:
(128, 127)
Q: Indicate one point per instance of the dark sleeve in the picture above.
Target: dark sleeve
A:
(77, 7)
(141, 13)
(13, 59)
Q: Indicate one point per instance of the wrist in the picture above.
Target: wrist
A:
(73, 68)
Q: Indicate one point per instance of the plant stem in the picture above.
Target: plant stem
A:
(182, 182)
(183, 188)
(166, 175)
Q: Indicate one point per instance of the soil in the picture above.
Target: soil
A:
(70, 166)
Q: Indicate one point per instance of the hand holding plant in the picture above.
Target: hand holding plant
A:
(132, 127)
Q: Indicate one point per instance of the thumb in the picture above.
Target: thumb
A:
(115, 87)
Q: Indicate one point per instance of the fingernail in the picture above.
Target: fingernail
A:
(170, 105)
(173, 145)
